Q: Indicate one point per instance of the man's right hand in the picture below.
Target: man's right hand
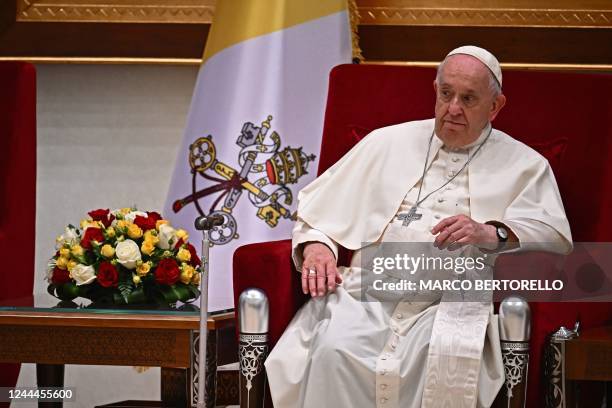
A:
(319, 271)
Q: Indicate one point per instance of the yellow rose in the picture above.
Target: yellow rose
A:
(71, 264)
(136, 279)
(65, 252)
(134, 231)
(187, 273)
(126, 210)
(151, 236)
(147, 247)
(62, 262)
(183, 255)
(159, 223)
(122, 224)
(186, 267)
(107, 251)
(196, 278)
(143, 268)
(182, 234)
(91, 223)
(110, 232)
(76, 250)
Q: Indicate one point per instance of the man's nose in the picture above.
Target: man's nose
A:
(454, 107)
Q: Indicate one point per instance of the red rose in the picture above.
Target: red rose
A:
(194, 261)
(167, 272)
(107, 275)
(99, 215)
(102, 216)
(178, 244)
(154, 215)
(92, 234)
(60, 276)
(145, 223)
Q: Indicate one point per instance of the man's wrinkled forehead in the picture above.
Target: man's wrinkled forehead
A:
(463, 66)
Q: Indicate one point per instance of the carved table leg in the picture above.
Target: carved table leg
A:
(211, 368)
(50, 375)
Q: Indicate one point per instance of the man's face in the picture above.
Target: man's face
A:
(464, 101)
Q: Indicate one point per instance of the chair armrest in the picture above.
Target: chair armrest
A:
(268, 266)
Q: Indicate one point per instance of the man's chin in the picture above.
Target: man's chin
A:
(451, 133)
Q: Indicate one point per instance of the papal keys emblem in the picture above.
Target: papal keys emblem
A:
(260, 157)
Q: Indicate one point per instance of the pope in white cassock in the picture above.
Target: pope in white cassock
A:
(452, 181)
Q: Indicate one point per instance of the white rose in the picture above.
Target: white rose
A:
(166, 234)
(83, 274)
(128, 253)
(70, 236)
(132, 216)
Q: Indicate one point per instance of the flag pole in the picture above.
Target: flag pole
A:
(204, 224)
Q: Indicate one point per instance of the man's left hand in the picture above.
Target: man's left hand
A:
(458, 230)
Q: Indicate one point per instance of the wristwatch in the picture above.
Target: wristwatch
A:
(502, 234)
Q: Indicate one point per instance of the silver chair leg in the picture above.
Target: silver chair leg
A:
(514, 333)
(558, 394)
(253, 312)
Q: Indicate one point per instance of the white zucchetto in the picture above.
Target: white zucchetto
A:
(483, 56)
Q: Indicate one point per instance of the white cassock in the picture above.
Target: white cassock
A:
(339, 351)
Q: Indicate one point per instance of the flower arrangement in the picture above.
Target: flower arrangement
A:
(124, 256)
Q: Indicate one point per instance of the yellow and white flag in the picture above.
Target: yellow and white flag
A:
(254, 128)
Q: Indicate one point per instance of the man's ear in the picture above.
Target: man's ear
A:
(435, 87)
(498, 104)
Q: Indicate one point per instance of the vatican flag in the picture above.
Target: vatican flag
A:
(254, 128)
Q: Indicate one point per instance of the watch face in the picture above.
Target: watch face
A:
(502, 233)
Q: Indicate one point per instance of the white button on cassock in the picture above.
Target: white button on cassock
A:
(399, 316)
(383, 386)
(383, 400)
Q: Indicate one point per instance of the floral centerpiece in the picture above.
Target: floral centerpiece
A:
(124, 256)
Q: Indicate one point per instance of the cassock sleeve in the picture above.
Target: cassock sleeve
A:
(536, 215)
(302, 233)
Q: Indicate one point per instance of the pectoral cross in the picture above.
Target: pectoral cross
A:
(410, 216)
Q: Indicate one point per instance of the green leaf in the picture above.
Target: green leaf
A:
(125, 288)
(178, 291)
